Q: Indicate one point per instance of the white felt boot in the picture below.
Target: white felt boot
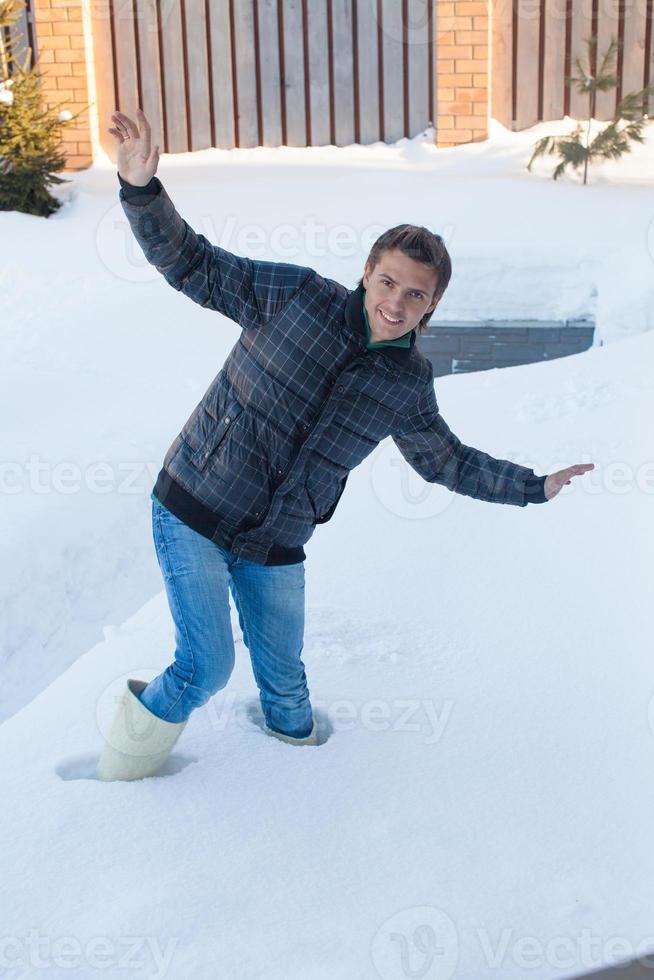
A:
(310, 739)
(138, 742)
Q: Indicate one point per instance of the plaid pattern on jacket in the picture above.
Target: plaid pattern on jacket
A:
(299, 402)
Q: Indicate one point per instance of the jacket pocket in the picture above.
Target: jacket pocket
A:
(217, 433)
(323, 518)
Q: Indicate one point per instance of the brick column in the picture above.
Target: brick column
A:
(62, 68)
(462, 71)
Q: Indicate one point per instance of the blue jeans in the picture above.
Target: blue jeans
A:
(198, 575)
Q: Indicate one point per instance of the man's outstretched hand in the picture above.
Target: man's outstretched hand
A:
(137, 161)
(555, 481)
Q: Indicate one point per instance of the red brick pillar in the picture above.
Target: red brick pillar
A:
(62, 68)
(462, 71)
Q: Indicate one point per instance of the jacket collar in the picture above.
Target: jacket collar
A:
(356, 323)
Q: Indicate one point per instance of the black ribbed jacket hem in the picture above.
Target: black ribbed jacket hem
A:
(199, 518)
(140, 195)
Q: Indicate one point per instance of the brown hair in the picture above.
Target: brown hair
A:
(421, 245)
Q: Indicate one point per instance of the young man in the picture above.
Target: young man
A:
(318, 377)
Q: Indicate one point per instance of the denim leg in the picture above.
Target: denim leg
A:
(196, 576)
(269, 600)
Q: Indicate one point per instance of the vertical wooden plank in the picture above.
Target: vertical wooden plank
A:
(125, 58)
(270, 84)
(633, 64)
(31, 38)
(196, 43)
(221, 57)
(343, 72)
(19, 42)
(307, 69)
(296, 131)
(188, 105)
(418, 53)
(356, 94)
(554, 59)
(582, 27)
(317, 29)
(501, 74)
(245, 71)
(104, 78)
(368, 71)
(431, 62)
(527, 64)
(12, 44)
(405, 68)
(607, 27)
(282, 67)
(392, 34)
(147, 27)
(173, 77)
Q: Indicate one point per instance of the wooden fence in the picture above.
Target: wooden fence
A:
(230, 73)
(536, 42)
(16, 40)
(242, 73)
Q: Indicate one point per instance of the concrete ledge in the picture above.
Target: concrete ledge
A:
(633, 970)
(477, 345)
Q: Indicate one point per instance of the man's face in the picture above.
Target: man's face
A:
(399, 291)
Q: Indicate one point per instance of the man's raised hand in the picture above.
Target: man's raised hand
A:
(555, 481)
(137, 161)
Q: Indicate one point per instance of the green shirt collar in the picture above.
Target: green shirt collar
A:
(403, 341)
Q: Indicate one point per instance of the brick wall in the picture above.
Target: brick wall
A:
(62, 67)
(462, 71)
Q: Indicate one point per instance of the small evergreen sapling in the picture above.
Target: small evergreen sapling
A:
(613, 140)
(30, 133)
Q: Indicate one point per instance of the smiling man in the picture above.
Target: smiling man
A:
(400, 293)
(319, 376)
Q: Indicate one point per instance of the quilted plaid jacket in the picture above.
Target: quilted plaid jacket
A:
(299, 402)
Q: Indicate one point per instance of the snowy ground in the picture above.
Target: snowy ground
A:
(480, 673)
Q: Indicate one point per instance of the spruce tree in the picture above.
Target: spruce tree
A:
(629, 118)
(30, 132)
